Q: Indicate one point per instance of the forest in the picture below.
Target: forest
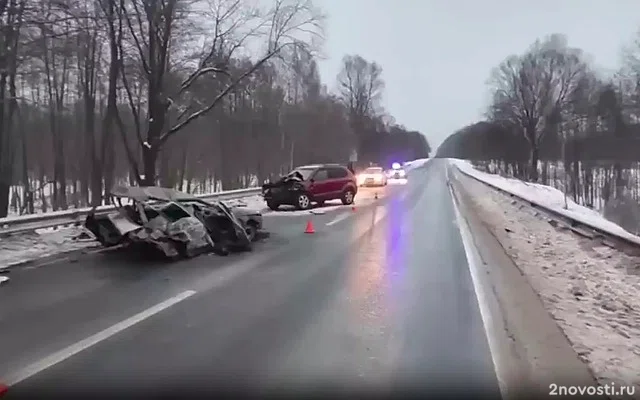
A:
(199, 95)
(555, 119)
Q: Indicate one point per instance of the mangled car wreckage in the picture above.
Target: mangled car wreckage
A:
(173, 223)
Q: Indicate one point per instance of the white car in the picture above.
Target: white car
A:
(372, 176)
(397, 172)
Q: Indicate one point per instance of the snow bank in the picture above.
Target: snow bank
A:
(548, 197)
(416, 163)
(591, 291)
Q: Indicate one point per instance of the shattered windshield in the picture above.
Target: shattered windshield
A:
(304, 173)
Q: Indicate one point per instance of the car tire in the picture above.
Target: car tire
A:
(273, 206)
(348, 196)
(303, 201)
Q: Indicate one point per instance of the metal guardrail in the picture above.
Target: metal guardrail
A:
(31, 222)
(574, 224)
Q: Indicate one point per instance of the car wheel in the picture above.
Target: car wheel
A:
(303, 201)
(347, 197)
(273, 206)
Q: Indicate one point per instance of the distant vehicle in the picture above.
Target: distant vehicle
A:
(372, 176)
(397, 171)
(311, 183)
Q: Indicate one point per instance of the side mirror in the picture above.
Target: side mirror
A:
(312, 180)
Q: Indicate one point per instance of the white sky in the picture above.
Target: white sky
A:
(437, 55)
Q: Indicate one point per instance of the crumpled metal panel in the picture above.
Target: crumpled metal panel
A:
(190, 231)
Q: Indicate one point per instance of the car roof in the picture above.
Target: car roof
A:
(316, 166)
(375, 168)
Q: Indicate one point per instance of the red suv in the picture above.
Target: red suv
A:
(312, 183)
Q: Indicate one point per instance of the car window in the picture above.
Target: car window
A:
(337, 173)
(373, 170)
(321, 175)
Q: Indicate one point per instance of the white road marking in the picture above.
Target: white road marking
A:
(84, 344)
(485, 313)
(340, 217)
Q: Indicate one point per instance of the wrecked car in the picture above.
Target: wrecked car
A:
(174, 223)
(311, 183)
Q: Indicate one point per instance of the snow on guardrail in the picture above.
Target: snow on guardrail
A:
(548, 198)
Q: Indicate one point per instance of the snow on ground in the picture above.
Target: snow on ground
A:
(591, 291)
(548, 197)
(39, 244)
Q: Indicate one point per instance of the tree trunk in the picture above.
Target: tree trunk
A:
(4, 197)
(149, 161)
(533, 163)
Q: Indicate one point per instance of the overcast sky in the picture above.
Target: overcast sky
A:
(437, 55)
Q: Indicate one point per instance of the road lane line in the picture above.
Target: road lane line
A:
(481, 296)
(84, 344)
(340, 217)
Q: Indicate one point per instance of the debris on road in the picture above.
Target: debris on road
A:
(590, 289)
(255, 203)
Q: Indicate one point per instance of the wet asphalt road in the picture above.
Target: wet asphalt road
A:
(379, 299)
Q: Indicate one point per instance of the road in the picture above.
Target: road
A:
(379, 299)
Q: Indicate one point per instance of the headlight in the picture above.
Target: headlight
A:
(402, 172)
(360, 179)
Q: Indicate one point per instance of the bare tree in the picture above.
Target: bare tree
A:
(11, 18)
(360, 87)
(530, 91)
(286, 24)
(250, 103)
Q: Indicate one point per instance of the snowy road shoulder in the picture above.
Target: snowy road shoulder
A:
(41, 243)
(590, 290)
(548, 197)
